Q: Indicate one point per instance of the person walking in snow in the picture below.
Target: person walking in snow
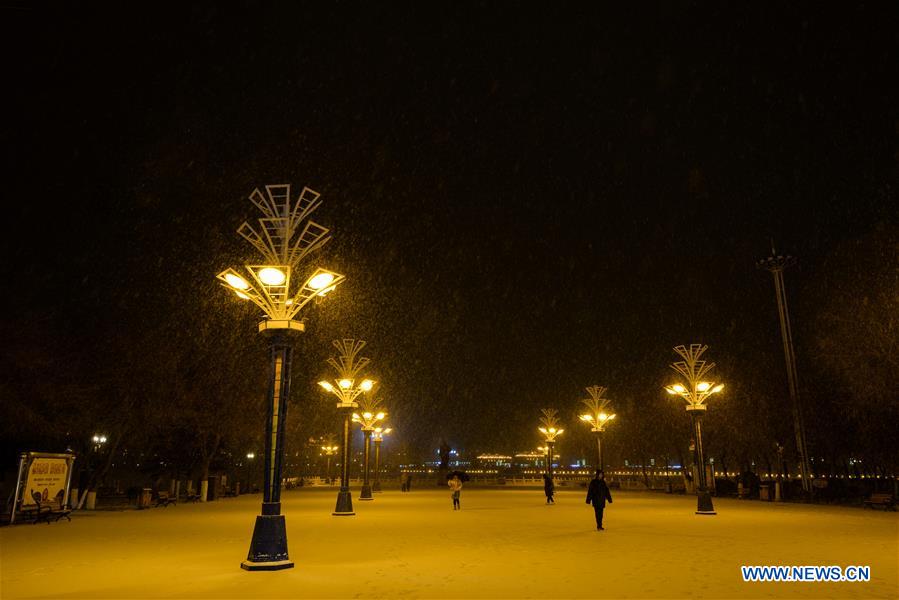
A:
(455, 486)
(597, 494)
(549, 488)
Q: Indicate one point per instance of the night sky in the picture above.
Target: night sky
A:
(525, 201)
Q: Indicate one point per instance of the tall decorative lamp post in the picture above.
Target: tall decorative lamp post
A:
(378, 437)
(597, 416)
(695, 390)
(348, 365)
(549, 427)
(284, 237)
(330, 449)
(368, 419)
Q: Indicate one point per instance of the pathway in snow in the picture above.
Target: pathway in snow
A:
(502, 544)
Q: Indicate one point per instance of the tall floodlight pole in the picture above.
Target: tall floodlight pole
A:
(598, 417)
(348, 365)
(549, 427)
(378, 437)
(776, 264)
(696, 391)
(368, 418)
(284, 237)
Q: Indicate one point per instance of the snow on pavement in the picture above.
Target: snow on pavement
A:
(502, 544)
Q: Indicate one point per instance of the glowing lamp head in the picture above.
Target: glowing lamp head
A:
(102, 439)
(236, 281)
(703, 386)
(603, 417)
(552, 429)
(718, 388)
(251, 455)
(96, 439)
(587, 418)
(320, 281)
(388, 430)
(241, 295)
(677, 389)
(380, 416)
(366, 415)
(345, 383)
(366, 385)
(327, 386)
(272, 276)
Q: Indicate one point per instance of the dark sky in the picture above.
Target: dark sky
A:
(526, 201)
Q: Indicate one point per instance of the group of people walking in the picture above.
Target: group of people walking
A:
(597, 494)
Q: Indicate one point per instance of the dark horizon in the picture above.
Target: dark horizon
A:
(524, 203)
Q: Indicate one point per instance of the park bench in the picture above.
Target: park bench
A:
(192, 497)
(885, 500)
(46, 511)
(163, 499)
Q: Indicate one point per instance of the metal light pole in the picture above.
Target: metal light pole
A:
(776, 265)
(330, 450)
(368, 419)
(378, 437)
(283, 244)
(696, 392)
(348, 366)
(597, 417)
(550, 430)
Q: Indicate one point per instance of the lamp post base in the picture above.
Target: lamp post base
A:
(704, 504)
(376, 487)
(344, 504)
(366, 493)
(268, 548)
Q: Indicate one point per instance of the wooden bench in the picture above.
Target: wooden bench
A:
(885, 500)
(163, 499)
(192, 497)
(46, 510)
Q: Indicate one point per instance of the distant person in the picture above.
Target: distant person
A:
(597, 494)
(402, 482)
(408, 482)
(455, 486)
(549, 488)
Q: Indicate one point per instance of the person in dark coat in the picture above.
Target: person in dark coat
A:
(597, 494)
(549, 488)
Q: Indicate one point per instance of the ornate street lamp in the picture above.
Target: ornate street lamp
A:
(695, 390)
(330, 449)
(597, 416)
(549, 427)
(348, 365)
(378, 437)
(284, 237)
(368, 418)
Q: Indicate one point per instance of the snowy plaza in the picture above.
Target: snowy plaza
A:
(504, 543)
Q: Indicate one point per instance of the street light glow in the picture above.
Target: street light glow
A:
(366, 385)
(327, 386)
(703, 386)
(320, 281)
(272, 276)
(345, 383)
(236, 281)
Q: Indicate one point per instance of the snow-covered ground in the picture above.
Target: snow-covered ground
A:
(502, 544)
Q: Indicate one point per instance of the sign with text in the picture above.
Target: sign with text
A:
(47, 477)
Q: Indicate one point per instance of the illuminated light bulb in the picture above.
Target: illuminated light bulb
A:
(603, 416)
(586, 417)
(236, 281)
(320, 281)
(327, 290)
(241, 295)
(678, 388)
(703, 386)
(718, 388)
(345, 383)
(366, 415)
(272, 276)
(366, 385)
(326, 385)
(96, 438)
(380, 416)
